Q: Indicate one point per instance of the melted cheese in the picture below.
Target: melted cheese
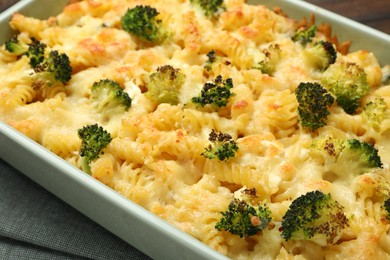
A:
(155, 158)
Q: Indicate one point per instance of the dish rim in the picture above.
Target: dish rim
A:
(153, 236)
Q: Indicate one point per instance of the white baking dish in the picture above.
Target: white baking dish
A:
(127, 220)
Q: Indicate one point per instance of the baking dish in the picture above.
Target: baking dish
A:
(122, 217)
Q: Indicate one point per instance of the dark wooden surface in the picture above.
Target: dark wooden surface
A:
(374, 13)
(4, 4)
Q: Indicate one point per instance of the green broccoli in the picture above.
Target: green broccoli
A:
(165, 84)
(36, 53)
(49, 69)
(305, 35)
(93, 140)
(272, 57)
(109, 96)
(142, 21)
(314, 216)
(313, 103)
(264, 66)
(330, 145)
(364, 153)
(216, 93)
(34, 50)
(347, 81)
(350, 154)
(14, 46)
(244, 217)
(210, 8)
(321, 55)
(55, 68)
(222, 146)
(374, 112)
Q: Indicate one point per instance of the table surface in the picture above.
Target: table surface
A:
(375, 14)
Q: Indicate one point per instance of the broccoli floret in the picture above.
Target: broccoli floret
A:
(210, 8)
(142, 21)
(321, 55)
(222, 146)
(108, 96)
(272, 56)
(15, 46)
(362, 152)
(347, 81)
(265, 67)
(314, 216)
(313, 102)
(49, 69)
(375, 112)
(305, 35)
(331, 146)
(165, 84)
(216, 93)
(93, 140)
(55, 68)
(244, 217)
(34, 50)
(36, 53)
(358, 156)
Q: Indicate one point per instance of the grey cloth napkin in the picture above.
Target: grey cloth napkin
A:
(34, 224)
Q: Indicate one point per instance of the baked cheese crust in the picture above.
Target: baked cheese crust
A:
(155, 158)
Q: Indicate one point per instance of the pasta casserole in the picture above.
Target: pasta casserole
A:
(259, 135)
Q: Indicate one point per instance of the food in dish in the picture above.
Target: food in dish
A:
(225, 119)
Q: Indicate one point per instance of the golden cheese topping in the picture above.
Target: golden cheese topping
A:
(157, 155)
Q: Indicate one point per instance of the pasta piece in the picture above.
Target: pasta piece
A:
(62, 143)
(31, 26)
(103, 169)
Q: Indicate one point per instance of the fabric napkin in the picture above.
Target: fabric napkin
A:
(34, 224)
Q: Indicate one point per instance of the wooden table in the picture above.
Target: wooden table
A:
(374, 13)
(4, 4)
